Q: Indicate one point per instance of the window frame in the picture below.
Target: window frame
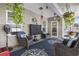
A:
(11, 23)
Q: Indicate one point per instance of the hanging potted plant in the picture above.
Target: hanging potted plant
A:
(69, 18)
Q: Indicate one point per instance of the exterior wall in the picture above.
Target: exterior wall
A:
(2, 22)
(60, 28)
(28, 15)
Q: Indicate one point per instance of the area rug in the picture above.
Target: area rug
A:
(35, 52)
(46, 44)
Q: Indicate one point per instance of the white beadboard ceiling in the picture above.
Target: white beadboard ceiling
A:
(34, 7)
(58, 8)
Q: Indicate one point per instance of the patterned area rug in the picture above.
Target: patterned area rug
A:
(35, 52)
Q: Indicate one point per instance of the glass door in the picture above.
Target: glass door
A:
(54, 29)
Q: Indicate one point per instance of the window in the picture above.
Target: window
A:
(9, 20)
(9, 17)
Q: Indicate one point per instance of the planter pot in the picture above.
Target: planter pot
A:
(72, 34)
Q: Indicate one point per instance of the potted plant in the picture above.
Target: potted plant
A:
(69, 18)
(72, 34)
(17, 10)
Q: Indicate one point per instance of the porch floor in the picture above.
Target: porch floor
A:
(46, 44)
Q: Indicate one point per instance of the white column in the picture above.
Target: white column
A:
(63, 28)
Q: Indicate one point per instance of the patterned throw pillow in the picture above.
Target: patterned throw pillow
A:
(72, 43)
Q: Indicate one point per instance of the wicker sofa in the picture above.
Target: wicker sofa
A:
(62, 50)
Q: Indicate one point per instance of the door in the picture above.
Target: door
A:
(54, 29)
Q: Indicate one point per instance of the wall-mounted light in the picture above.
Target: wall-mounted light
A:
(56, 17)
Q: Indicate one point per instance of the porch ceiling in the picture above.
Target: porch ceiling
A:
(58, 8)
(34, 7)
(72, 6)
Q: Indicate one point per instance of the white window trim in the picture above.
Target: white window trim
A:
(57, 29)
(7, 17)
(63, 24)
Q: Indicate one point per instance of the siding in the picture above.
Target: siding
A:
(2, 22)
(28, 15)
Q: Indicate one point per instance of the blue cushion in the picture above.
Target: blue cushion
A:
(21, 34)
